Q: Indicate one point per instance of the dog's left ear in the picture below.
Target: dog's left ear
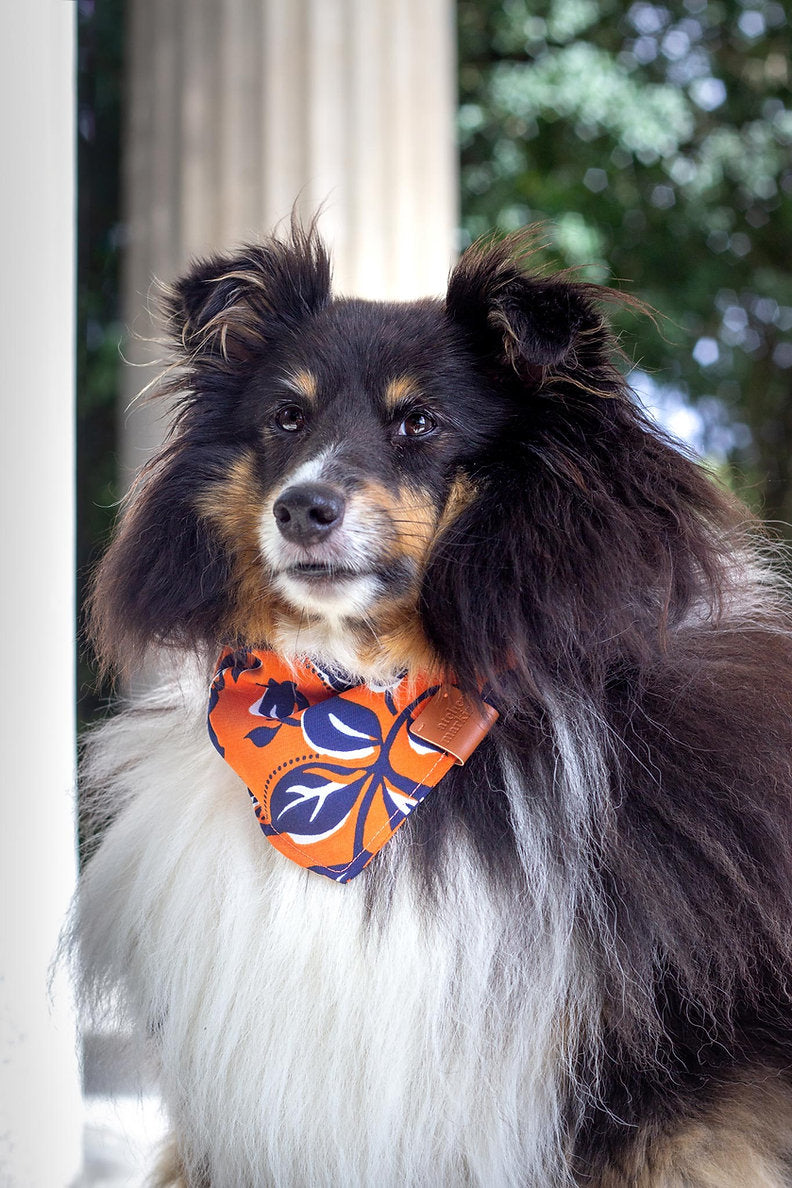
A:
(508, 316)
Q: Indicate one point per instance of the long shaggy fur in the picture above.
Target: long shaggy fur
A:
(573, 964)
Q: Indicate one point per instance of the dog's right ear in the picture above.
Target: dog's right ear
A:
(227, 310)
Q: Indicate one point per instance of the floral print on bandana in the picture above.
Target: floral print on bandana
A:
(333, 770)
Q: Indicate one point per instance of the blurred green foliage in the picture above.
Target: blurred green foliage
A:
(657, 142)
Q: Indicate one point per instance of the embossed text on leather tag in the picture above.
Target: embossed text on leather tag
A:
(454, 722)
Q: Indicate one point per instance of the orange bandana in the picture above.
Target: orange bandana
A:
(333, 770)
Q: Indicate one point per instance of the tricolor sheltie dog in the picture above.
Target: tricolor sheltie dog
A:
(566, 960)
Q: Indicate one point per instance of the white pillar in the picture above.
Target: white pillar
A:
(239, 108)
(40, 1107)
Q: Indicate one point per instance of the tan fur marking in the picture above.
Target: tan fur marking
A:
(400, 389)
(233, 506)
(396, 637)
(410, 515)
(392, 637)
(462, 493)
(399, 644)
(304, 382)
(740, 1142)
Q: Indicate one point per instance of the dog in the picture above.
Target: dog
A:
(564, 959)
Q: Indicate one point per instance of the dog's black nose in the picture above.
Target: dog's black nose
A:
(308, 512)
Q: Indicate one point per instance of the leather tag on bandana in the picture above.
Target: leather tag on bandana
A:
(454, 723)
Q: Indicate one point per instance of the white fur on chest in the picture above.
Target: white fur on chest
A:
(300, 1041)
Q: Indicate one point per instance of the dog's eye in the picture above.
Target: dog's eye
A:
(291, 418)
(418, 424)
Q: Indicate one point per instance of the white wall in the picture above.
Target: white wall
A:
(40, 1107)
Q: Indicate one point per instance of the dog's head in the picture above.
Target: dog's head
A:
(437, 484)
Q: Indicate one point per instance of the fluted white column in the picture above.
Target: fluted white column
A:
(40, 1107)
(238, 109)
